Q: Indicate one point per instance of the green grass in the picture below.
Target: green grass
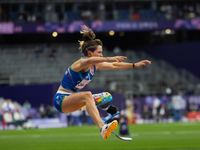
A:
(175, 136)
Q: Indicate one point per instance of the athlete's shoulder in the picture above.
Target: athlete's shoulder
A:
(80, 65)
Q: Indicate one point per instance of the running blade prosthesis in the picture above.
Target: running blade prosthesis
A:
(119, 137)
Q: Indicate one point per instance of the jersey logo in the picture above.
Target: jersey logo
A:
(87, 77)
(58, 102)
(82, 84)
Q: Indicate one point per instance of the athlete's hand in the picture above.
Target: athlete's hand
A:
(141, 63)
(117, 58)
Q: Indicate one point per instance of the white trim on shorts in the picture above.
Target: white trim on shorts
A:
(63, 92)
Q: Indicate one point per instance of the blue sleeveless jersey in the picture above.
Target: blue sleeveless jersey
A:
(75, 81)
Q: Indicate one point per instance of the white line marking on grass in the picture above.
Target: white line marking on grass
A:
(134, 134)
(173, 149)
(20, 136)
(75, 134)
(35, 136)
(187, 124)
(188, 132)
(157, 132)
(178, 124)
(166, 133)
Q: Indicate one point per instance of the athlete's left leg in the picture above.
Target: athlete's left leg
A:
(103, 100)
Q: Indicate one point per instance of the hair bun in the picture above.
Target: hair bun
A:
(88, 34)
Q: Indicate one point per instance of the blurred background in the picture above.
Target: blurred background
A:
(39, 41)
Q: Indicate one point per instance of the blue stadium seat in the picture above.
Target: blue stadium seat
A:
(123, 14)
(162, 15)
(14, 15)
(72, 16)
(147, 14)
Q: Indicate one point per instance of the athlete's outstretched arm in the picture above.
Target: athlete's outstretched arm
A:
(84, 64)
(141, 63)
(122, 65)
(95, 60)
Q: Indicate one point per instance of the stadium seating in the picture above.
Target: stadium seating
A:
(123, 14)
(147, 14)
(72, 16)
(20, 66)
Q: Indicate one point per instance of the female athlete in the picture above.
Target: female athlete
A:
(69, 98)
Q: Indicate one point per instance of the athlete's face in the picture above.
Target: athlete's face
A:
(98, 52)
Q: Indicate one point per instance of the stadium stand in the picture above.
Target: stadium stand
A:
(20, 66)
(111, 10)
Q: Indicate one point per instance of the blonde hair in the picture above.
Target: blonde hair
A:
(89, 40)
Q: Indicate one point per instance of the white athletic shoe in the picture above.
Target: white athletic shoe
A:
(108, 128)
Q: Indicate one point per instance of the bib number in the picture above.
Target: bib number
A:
(82, 84)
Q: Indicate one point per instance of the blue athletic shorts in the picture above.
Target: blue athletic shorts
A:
(102, 99)
(58, 99)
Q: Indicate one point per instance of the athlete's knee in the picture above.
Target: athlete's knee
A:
(88, 96)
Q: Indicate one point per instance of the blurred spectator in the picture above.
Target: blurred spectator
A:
(124, 129)
(120, 88)
(8, 105)
(19, 119)
(188, 105)
(129, 102)
(31, 17)
(191, 14)
(131, 12)
(136, 16)
(113, 86)
(175, 10)
(123, 121)
(55, 112)
(198, 8)
(169, 13)
(1, 118)
(0, 13)
(37, 51)
(162, 113)
(166, 10)
(22, 16)
(87, 14)
(75, 118)
(49, 112)
(52, 55)
(107, 84)
(117, 50)
(43, 47)
(146, 114)
(169, 110)
(193, 107)
(163, 8)
(189, 11)
(42, 111)
(115, 14)
(140, 87)
(8, 119)
(178, 104)
(155, 108)
(27, 104)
